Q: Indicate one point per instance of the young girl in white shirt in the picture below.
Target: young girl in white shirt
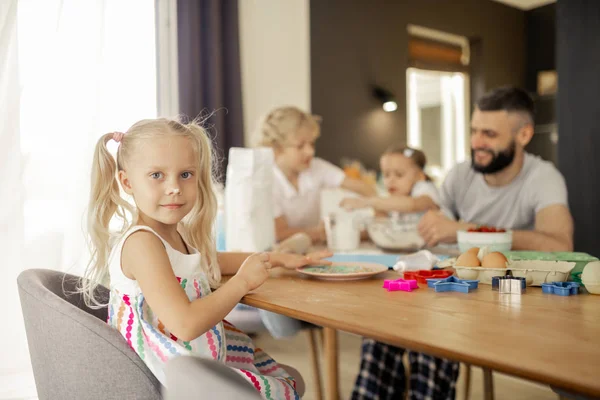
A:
(410, 189)
(162, 266)
(299, 175)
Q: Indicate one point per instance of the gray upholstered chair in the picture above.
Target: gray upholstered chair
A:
(76, 355)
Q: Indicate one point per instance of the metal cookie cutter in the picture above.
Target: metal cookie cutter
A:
(509, 284)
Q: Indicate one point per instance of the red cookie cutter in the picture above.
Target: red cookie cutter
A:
(422, 275)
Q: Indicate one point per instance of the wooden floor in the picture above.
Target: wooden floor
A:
(294, 352)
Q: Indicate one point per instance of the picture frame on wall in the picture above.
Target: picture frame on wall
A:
(547, 83)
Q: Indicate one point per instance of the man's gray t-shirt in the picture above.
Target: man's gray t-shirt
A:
(467, 196)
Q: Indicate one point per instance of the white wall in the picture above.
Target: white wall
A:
(275, 57)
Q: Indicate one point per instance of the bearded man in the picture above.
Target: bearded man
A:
(503, 185)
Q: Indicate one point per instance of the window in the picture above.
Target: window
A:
(437, 98)
(86, 68)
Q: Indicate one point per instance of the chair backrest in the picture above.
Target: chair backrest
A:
(195, 378)
(75, 354)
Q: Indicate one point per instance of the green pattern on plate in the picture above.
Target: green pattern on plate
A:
(337, 269)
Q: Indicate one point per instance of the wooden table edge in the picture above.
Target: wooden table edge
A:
(425, 348)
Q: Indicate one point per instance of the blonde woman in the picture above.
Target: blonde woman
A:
(299, 175)
(161, 268)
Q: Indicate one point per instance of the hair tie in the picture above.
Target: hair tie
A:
(117, 136)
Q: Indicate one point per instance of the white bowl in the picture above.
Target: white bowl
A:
(590, 277)
(495, 241)
(398, 234)
(592, 288)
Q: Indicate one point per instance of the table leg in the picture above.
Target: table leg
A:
(488, 384)
(467, 376)
(314, 357)
(330, 346)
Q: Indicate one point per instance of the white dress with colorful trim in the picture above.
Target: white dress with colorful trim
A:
(129, 313)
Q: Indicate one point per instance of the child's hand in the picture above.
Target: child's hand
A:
(293, 261)
(255, 270)
(352, 203)
(317, 234)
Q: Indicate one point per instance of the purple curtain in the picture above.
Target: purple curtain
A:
(209, 70)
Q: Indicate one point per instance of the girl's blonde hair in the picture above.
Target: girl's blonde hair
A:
(106, 201)
(277, 127)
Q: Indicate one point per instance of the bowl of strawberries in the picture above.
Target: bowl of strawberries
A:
(494, 238)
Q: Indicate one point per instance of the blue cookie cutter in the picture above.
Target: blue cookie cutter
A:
(452, 284)
(561, 288)
(509, 284)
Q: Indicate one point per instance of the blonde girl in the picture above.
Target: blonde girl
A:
(299, 175)
(161, 266)
(410, 189)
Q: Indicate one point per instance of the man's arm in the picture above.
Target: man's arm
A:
(436, 228)
(553, 231)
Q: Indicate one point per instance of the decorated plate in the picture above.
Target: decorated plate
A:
(343, 271)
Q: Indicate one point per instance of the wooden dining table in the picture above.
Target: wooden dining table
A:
(541, 337)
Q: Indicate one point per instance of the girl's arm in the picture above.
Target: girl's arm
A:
(403, 204)
(358, 186)
(284, 231)
(230, 262)
(145, 260)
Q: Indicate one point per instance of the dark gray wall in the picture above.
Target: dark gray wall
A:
(541, 56)
(355, 43)
(578, 50)
(541, 43)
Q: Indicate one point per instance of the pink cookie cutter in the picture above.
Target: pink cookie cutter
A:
(405, 285)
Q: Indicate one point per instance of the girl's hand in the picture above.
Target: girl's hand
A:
(353, 203)
(255, 270)
(293, 261)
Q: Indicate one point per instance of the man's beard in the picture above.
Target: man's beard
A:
(500, 160)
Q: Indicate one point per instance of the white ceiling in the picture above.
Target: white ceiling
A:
(526, 4)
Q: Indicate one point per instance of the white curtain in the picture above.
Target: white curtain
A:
(13, 356)
(70, 71)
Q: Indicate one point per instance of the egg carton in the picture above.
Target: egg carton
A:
(483, 275)
(537, 272)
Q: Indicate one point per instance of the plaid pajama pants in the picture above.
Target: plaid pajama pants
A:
(382, 374)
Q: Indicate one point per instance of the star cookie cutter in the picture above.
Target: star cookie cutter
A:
(561, 288)
(453, 284)
(405, 285)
